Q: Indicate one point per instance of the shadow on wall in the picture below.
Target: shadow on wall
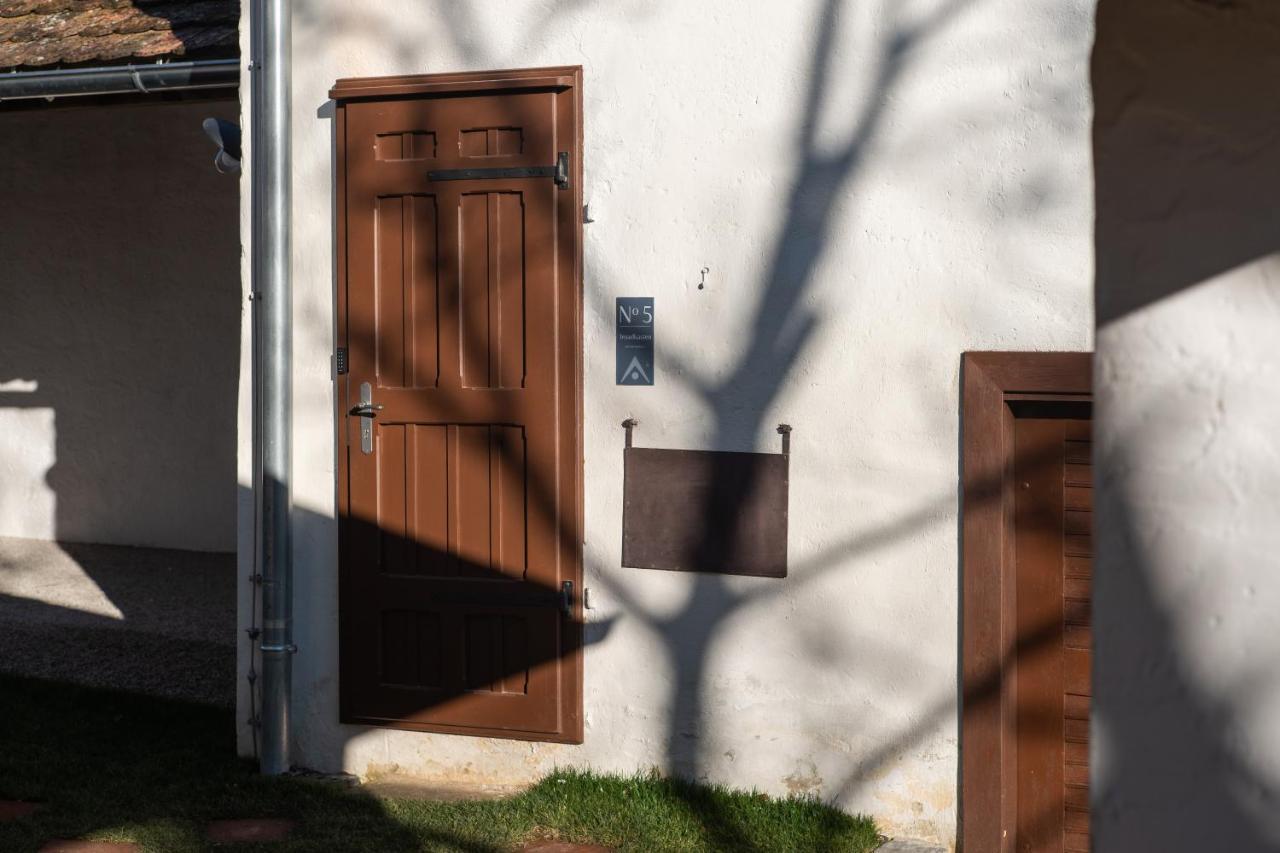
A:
(1187, 154)
(783, 324)
(400, 654)
(118, 342)
(1185, 151)
(119, 362)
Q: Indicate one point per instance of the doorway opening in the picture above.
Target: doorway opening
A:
(120, 342)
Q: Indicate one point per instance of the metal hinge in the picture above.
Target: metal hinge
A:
(340, 361)
(562, 170)
(559, 172)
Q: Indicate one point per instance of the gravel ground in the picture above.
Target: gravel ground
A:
(143, 619)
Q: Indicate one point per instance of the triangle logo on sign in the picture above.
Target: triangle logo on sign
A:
(636, 371)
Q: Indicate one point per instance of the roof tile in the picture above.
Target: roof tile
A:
(45, 32)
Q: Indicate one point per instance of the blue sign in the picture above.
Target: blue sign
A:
(634, 321)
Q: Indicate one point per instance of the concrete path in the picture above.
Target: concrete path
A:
(906, 845)
(142, 619)
(398, 786)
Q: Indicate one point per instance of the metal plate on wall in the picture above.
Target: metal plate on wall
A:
(634, 346)
(705, 511)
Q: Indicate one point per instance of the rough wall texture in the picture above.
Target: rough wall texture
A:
(118, 335)
(1186, 749)
(875, 187)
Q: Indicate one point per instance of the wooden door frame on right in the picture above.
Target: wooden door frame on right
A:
(990, 382)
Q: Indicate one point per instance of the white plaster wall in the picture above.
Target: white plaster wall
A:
(119, 261)
(876, 187)
(1186, 746)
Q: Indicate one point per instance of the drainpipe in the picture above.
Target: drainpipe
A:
(269, 29)
(121, 79)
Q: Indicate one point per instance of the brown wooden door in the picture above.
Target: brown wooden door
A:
(1053, 564)
(461, 312)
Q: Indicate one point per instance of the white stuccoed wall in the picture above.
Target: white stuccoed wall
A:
(119, 330)
(1186, 723)
(941, 202)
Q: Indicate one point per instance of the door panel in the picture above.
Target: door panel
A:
(407, 291)
(493, 289)
(462, 313)
(1053, 571)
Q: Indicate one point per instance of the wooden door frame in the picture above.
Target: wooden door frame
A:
(990, 382)
(559, 78)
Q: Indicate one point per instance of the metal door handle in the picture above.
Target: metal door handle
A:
(366, 410)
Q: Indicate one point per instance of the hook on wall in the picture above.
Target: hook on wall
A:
(784, 430)
(702, 282)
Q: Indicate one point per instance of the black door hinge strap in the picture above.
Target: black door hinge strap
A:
(560, 172)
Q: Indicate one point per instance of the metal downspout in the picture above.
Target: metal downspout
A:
(271, 202)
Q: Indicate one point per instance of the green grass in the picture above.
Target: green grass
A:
(123, 767)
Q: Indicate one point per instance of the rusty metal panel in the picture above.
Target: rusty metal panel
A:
(705, 511)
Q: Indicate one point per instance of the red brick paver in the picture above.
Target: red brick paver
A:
(251, 829)
(90, 847)
(14, 809)
(562, 847)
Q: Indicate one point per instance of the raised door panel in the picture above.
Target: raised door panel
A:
(406, 297)
(492, 289)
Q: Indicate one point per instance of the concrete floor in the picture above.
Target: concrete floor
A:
(142, 619)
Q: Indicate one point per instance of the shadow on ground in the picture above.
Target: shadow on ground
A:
(109, 765)
(147, 620)
(118, 766)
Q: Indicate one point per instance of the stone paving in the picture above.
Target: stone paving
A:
(14, 809)
(248, 831)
